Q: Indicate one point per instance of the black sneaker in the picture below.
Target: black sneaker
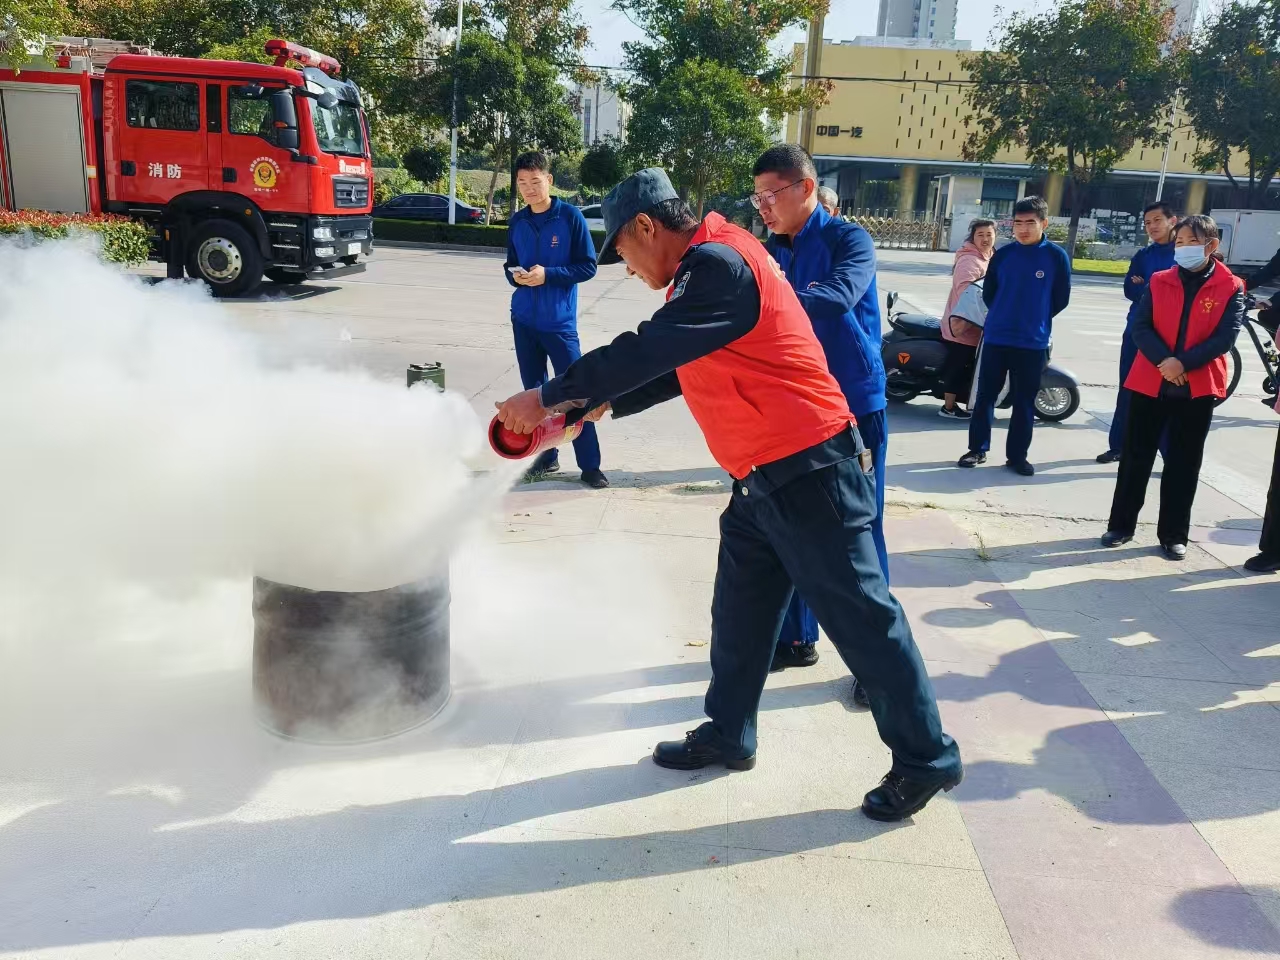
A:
(1263, 563)
(1021, 468)
(1114, 538)
(955, 413)
(595, 479)
(699, 748)
(972, 459)
(793, 655)
(1174, 551)
(1111, 456)
(898, 797)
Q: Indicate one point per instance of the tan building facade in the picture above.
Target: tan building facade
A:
(892, 136)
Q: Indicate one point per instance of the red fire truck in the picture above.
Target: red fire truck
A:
(244, 170)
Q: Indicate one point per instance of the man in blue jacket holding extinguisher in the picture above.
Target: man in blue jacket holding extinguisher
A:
(831, 265)
(549, 252)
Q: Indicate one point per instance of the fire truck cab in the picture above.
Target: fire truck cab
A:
(245, 170)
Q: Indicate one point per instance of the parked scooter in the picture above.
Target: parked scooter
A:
(914, 351)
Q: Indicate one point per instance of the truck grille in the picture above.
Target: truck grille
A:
(350, 192)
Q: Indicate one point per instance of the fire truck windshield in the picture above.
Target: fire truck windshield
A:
(338, 128)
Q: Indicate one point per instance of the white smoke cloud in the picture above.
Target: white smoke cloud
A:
(144, 439)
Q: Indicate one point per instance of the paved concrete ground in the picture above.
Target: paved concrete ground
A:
(1119, 715)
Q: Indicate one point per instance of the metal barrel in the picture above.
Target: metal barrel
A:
(338, 667)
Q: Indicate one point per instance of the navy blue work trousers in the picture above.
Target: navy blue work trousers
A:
(813, 530)
(533, 349)
(1023, 367)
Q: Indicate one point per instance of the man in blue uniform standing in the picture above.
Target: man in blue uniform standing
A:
(1027, 284)
(831, 265)
(1161, 224)
(549, 252)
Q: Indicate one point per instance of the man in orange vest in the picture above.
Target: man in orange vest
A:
(734, 340)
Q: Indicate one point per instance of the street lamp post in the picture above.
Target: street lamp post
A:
(1164, 163)
(453, 136)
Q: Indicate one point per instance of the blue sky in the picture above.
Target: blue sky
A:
(847, 19)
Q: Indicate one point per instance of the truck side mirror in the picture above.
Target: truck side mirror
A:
(285, 116)
(327, 100)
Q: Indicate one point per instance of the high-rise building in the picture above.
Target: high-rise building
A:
(1184, 15)
(921, 19)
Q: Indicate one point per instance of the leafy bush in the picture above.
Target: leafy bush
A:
(391, 182)
(420, 231)
(123, 240)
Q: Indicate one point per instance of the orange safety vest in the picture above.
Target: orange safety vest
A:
(768, 394)
(1167, 298)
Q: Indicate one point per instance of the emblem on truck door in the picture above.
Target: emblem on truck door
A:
(265, 172)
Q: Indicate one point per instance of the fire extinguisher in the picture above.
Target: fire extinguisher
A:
(551, 432)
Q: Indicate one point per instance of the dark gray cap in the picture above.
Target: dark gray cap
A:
(639, 193)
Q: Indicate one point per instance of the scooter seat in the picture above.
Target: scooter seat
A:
(917, 325)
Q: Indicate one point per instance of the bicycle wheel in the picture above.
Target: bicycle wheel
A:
(1234, 368)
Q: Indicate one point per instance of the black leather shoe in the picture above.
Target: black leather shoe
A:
(699, 748)
(898, 797)
(1021, 467)
(972, 459)
(1174, 551)
(793, 655)
(1263, 563)
(595, 479)
(1113, 538)
(858, 693)
(1111, 456)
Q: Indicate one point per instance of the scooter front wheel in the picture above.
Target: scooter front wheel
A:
(899, 393)
(1054, 404)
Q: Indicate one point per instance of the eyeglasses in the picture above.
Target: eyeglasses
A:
(767, 198)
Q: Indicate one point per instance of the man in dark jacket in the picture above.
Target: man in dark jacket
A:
(1028, 284)
(549, 252)
(1160, 222)
(733, 340)
(831, 265)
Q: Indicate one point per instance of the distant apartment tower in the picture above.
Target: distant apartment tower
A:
(922, 19)
(1184, 15)
(601, 112)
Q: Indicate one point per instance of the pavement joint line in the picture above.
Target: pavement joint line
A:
(1234, 684)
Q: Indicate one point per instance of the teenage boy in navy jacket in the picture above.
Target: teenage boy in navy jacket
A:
(549, 252)
(1160, 222)
(1028, 284)
(831, 265)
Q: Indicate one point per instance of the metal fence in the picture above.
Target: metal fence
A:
(893, 230)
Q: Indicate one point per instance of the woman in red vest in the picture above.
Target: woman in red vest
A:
(1185, 324)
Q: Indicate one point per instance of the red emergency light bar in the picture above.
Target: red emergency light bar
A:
(284, 51)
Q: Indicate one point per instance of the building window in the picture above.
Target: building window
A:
(586, 122)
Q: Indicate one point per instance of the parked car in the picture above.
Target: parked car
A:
(591, 213)
(427, 206)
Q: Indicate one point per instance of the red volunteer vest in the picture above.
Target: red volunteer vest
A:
(769, 394)
(1210, 304)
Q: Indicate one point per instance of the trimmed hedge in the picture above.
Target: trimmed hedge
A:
(123, 240)
(462, 234)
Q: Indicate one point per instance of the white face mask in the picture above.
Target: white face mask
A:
(1190, 257)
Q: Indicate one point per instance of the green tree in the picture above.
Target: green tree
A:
(508, 70)
(427, 162)
(602, 168)
(1076, 88)
(27, 22)
(704, 80)
(1231, 94)
(703, 125)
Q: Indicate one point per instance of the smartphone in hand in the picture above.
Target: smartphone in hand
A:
(517, 271)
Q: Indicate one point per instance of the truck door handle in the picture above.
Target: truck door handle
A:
(228, 174)
(128, 168)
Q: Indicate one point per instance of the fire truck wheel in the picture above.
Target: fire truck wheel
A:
(223, 255)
